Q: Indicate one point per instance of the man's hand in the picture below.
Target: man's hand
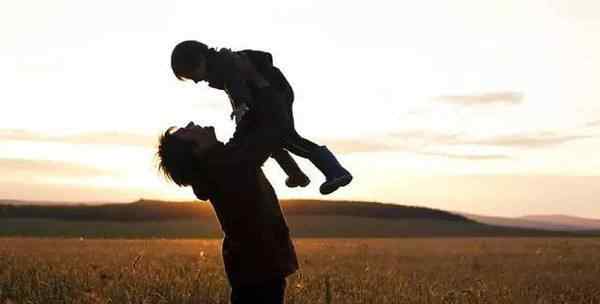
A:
(239, 112)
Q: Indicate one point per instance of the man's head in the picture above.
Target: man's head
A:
(180, 152)
(188, 60)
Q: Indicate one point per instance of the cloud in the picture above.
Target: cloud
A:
(425, 137)
(419, 141)
(466, 156)
(539, 140)
(43, 192)
(406, 140)
(356, 145)
(595, 123)
(505, 97)
(103, 138)
(13, 166)
(524, 140)
(414, 141)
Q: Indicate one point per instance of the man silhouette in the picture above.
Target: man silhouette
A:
(257, 249)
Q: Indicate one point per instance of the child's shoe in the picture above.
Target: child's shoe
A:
(336, 176)
(297, 180)
(295, 175)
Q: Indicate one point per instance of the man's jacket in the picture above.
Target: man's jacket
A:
(257, 245)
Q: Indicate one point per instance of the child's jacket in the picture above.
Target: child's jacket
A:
(270, 107)
(226, 72)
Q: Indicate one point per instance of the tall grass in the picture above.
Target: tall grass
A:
(468, 270)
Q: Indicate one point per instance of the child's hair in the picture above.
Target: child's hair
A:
(186, 56)
(176, 160)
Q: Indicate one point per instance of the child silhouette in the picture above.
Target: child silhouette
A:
(244, 76)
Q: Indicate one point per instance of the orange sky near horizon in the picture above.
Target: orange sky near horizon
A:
(487, 107)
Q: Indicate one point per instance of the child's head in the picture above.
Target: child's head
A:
(180, 152)
(188, 60)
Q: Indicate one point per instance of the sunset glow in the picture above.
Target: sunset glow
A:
(489, 107)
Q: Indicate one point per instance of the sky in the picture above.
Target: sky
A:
(487, 107)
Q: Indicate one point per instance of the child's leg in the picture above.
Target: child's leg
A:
(336, 176)
(301, 146)
(295, 175)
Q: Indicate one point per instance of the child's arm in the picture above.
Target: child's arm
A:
(235, 84)
(262, 130)
(258, 135)
(238, 111)
(251, 152)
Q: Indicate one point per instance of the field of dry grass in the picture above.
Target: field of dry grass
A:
(452, 270)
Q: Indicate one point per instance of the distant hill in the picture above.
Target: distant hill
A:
(519, 223)
(46, 203)
(306, 218)
(544, 222)
(145, 210)
(20, 202)
(580, 223)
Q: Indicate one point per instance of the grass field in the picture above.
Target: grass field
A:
(409, 270)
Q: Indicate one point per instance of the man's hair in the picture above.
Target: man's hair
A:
(186, 56)
(176, 159)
